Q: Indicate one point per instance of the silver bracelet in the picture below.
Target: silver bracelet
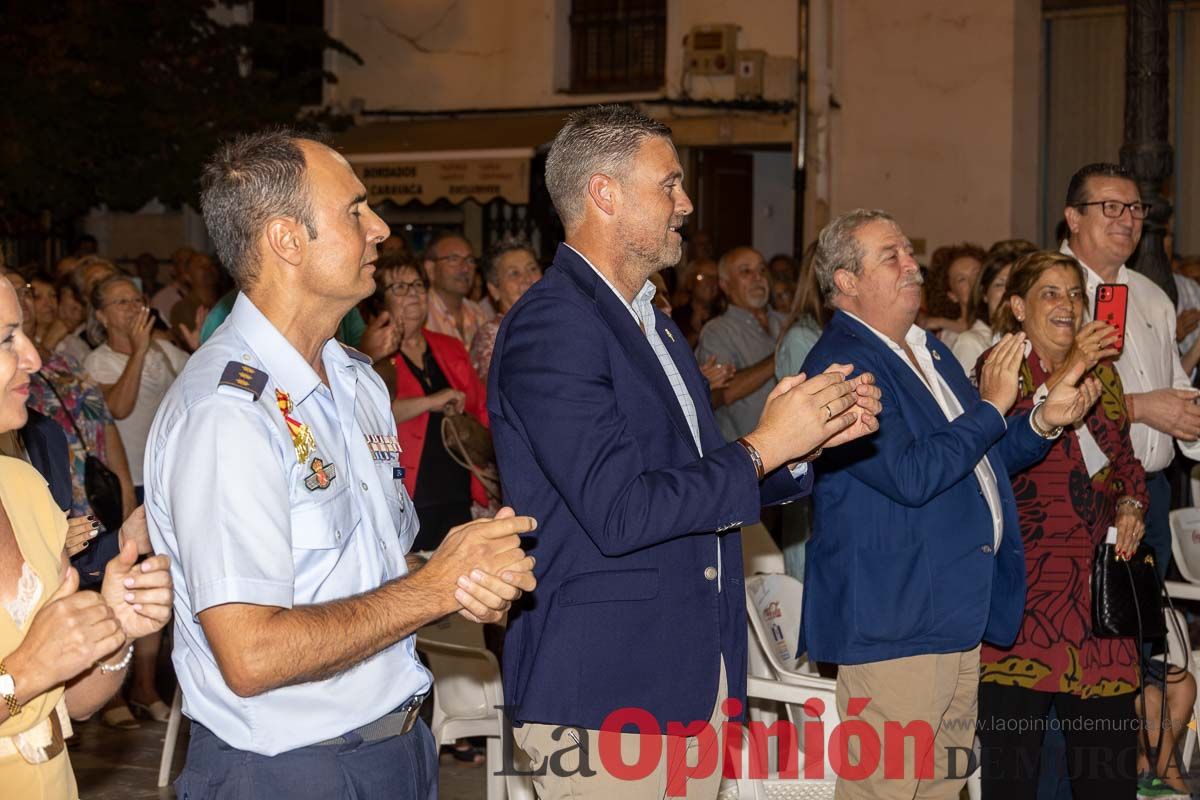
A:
(1131, 501)
(109, 669)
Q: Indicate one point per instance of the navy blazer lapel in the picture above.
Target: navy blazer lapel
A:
(900, 370)
(952, 373)
(629, 334)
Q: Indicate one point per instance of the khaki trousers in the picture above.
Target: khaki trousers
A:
(940, 691)
(556, 752)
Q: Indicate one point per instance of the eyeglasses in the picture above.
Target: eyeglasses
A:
(128, 301)
(404, 288)
(457, 260)
(1115, 208)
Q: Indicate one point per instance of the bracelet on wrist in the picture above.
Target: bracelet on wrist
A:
(9, 691)
(1132, 502)
(755, 457)
(1045, 433)
(813, 456)
(109, 669)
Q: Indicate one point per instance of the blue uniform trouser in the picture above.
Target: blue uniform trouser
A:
(401, 767)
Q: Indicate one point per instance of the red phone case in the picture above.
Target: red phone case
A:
(1112, 300)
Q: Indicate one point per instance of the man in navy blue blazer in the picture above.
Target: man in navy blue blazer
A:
(604, 432)
(916, 553)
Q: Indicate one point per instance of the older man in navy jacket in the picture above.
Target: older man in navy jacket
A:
(604, 432)
(916, 553)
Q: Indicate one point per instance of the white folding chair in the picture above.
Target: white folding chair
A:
(773, 604)
(168, 752)
(1185, 546)
(466, 695)
(1180, 653)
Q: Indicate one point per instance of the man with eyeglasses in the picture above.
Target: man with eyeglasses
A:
(1104, 215)
(450, 265)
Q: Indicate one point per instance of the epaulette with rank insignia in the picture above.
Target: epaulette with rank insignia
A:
(356, 355)
(244, 377)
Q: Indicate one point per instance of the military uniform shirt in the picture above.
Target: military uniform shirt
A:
(245, 520)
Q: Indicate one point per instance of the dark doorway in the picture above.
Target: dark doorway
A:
(725, 197)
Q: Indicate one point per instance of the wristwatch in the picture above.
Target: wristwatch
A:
(8, 690)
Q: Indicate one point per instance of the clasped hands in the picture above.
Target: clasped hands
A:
(802, 414)
(483, 562)
(76, 629)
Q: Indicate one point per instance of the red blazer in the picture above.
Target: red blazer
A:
(452, 357)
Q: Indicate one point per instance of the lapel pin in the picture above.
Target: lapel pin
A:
(670, 335)
(936, 356)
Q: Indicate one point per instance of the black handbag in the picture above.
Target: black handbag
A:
(100, 484)
(1126, 595)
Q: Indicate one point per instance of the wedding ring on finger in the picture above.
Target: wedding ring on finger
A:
(828, 413)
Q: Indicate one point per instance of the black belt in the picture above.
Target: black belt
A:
(397, 723)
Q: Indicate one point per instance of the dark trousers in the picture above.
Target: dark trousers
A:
(1158, 520)
(397, 768)
(1101, 736)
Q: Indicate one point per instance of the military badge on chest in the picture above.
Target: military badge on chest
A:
(322, 475)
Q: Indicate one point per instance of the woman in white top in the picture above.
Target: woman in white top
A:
(134, 370)
(986, 294)
(132, 366)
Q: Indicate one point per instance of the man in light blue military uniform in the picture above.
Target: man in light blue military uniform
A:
(273, 481)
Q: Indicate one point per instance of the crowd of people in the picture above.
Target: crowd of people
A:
(293, 424)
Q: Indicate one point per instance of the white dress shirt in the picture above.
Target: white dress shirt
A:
(1149, 361)
(944, 396)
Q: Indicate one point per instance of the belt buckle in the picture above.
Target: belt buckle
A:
(412, 712)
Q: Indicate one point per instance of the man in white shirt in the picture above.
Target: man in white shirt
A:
(1104, 214)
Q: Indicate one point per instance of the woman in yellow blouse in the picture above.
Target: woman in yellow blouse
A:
(63, 652)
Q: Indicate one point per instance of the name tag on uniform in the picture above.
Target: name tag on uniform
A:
(383, 447)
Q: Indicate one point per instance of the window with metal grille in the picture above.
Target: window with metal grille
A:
(298, 67)
(618, 45)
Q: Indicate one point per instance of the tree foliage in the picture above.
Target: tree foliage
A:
(118, 102)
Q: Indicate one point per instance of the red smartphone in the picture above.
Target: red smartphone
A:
(1112, 299)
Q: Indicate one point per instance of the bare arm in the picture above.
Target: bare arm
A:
(122, 395)
(745, 382)
(260, 648)
(62, 645)
(88, 693)
(406, 408)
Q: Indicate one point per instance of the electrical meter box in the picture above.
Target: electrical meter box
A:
(711, 49)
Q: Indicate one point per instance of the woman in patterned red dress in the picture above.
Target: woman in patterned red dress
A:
(1089, 482)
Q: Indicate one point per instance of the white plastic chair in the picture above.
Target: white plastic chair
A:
(466, 695)
(778, 674)
(1180, 653)
(1185, 546)
(168, 752)
(760, 554)
(773, 604)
